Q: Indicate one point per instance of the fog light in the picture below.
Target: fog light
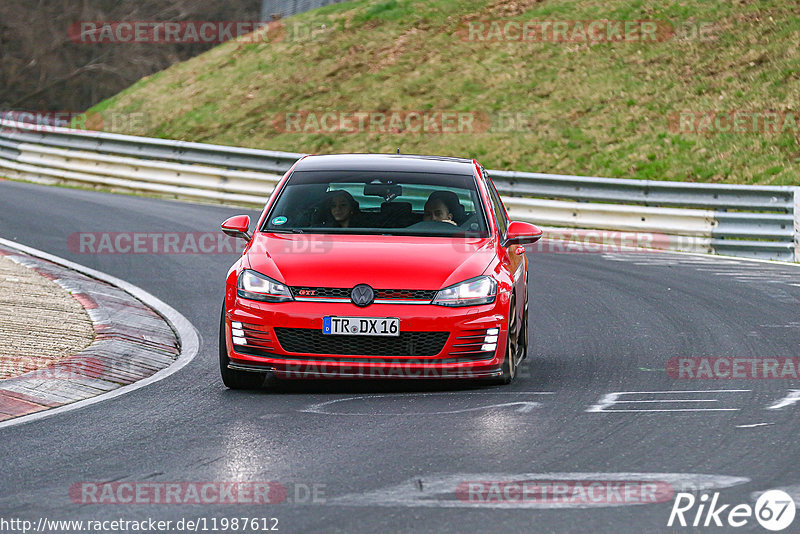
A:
(490, 339)
(239, 341)
(486, 347)
(237, 332)
(236, 324)
(493, 331)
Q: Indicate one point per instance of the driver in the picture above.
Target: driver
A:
(437, 210)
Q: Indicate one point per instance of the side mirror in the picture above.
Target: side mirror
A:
(237, 226)
(521, 233)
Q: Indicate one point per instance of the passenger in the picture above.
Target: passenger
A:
(437, 208)
(342, 208)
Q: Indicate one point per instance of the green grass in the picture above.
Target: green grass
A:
(597, 109)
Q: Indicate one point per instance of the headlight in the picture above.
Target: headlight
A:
(256, 286)
(480, 290)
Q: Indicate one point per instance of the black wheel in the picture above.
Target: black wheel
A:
(231, 378)
(512, 348)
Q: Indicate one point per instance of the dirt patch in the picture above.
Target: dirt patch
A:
(40, 322)
(511, 8)
(389, 56)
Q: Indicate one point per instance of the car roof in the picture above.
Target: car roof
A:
(386, 162)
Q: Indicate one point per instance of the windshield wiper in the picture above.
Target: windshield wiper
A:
(286, 231)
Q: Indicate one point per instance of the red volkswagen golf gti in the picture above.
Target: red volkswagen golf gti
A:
(378, 266)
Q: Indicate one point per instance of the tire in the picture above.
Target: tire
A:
(231, 378)
(512, 349)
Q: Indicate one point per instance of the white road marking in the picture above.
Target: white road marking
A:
(743, 270)
(754, 425)
(325, 408)
(610, 399)
(447, 491)
(674, 410)
(788, 400)
(667, 400)
(691, 257)
(750, 275)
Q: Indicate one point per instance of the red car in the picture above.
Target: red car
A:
(378, 266)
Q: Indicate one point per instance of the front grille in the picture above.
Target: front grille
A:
(468, 346)
(256, 336)
(322, 292)
(344, 293)
(409, 344)
(405, 294)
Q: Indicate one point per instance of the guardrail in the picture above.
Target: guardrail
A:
(286, 8)
(752, 221)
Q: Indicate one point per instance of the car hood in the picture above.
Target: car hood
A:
(383, 262)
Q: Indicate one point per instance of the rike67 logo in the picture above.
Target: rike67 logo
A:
(774, 510)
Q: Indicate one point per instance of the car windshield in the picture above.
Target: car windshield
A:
(384, 203)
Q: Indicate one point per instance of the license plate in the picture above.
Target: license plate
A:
(361, 326)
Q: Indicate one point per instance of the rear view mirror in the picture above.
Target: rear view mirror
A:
(386, 191)
(237, 226)
(522, 233)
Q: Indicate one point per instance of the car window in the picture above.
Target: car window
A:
(497, 205)
(368, 202)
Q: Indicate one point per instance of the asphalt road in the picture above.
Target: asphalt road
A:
(385, 457)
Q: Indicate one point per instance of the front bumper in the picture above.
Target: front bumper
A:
(461, 356)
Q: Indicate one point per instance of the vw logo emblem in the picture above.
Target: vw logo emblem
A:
(362, 295)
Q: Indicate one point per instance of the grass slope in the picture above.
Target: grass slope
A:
(590, 108)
